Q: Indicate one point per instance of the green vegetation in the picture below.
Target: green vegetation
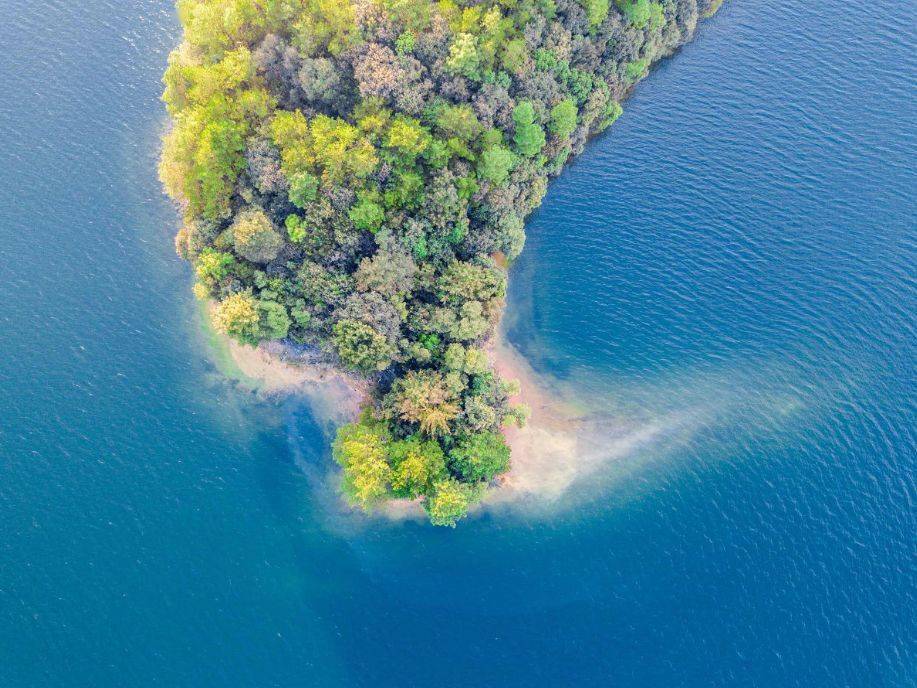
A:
(355, 175)
(712, 7)
(643, 13)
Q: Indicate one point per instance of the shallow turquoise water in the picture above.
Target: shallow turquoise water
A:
(733, 265)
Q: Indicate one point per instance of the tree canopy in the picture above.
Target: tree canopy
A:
(354, 176)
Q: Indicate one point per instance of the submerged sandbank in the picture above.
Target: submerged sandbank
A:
(564, 440)
(277, 368)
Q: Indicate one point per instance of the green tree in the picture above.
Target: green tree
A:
(273, 320)
(237, 316)
(476, 362)
(405, 43)
(596, 11)
(643, 13)
(367, 215)
(437, 154)
(361, 347)
(495, 164)
(515, 56)
(417, 465)
(341, 150)
(408, 137)
(450, 502)
(480, 457)
(529, 138)
(296, 229)
(612, 112)
(254, 237)
(215, 105)
(323, 145)
(454, 357)
(463, 57)
(213, 266)
(458, 121)
(322, 25)
(636, 69)
(463, 281)
(361, 450)
(563, 118)
(423, 397)
(303, 189)
(472, 322)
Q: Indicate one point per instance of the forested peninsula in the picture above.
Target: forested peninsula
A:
(354, 176)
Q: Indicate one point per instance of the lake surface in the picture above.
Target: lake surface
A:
(733, 265)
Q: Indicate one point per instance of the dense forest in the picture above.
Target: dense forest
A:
(354, 175)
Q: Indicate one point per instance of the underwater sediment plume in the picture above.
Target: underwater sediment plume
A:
(354, 178)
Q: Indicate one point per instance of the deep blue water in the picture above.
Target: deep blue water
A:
(734, 259)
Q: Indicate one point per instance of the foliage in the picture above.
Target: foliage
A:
(480, 457)
(449, 502)
(360, 449)
(355, 177)
(529, 136)
(563, 118)
(361, 347)
(254, 237)
(237, 316)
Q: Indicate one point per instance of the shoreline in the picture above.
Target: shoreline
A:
(551, 431)
(567, 440)
(562, 441)
(278, 369)
(384, 234)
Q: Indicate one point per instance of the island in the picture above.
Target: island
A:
(354, 177)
